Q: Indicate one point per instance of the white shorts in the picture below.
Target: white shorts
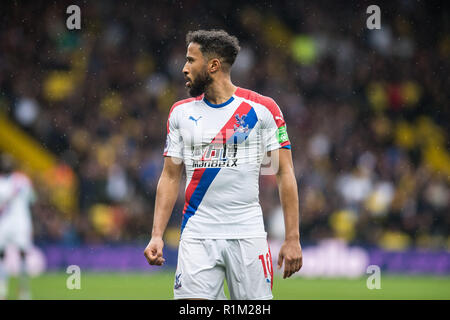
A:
(15, 232)
(204, 264)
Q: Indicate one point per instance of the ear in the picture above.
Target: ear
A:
(214, 65)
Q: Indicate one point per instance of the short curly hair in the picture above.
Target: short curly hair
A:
(215, 42)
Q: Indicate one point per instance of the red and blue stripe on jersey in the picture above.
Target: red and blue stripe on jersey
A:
(267, 102)
(203, 177)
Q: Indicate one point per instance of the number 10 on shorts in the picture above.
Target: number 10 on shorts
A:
(266, 261)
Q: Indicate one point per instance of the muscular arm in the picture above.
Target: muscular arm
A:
(166, 196)
(290, 251)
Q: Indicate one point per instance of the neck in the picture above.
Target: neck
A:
(220, 90)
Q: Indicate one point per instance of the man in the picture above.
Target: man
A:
(222, 135)
(16, 195)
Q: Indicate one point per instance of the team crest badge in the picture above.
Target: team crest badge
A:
(241, 126)
(177, 281)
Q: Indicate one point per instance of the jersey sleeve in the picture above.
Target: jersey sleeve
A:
(174, 141)
(6, 194)
(275, 131)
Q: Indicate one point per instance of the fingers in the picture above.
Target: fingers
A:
(288, 267)
(291, 266)
(159, 259)
(300, 263)
(154, 257)
(280, 260)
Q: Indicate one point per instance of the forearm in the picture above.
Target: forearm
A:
(287, 187)
(166, 196)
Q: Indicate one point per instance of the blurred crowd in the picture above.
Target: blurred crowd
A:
(366, 110)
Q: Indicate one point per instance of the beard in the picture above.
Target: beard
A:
(200, 84)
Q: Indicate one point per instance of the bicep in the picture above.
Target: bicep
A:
(281, 160)
(173, 168)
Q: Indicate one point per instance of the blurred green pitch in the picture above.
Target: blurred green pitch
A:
(159, 286)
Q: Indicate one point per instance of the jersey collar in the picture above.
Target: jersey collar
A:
(212, 105)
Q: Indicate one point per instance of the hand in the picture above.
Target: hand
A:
(154, 252)
(291, 253)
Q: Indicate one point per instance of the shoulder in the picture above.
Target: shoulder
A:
(267, 102)
(182, 103)
(255, 97)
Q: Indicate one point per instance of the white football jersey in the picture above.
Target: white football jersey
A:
(222, 147)
(16, 195)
